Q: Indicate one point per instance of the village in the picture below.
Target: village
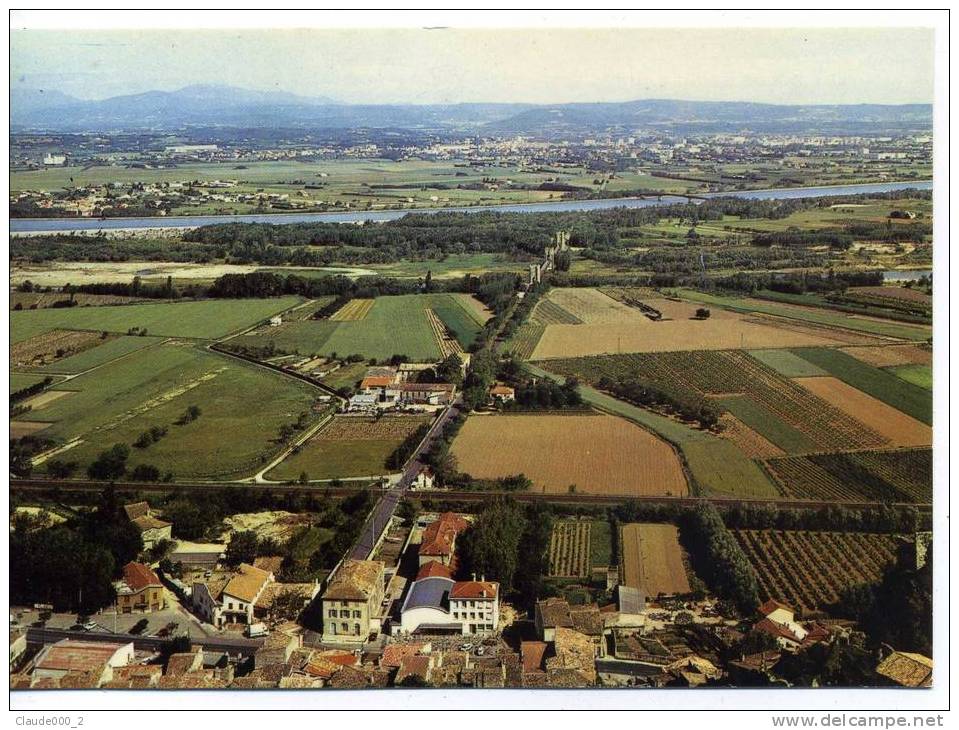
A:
(405, 617)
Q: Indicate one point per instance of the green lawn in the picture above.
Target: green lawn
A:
(908, 398)
(766, 423)
(920, 375)
(787, 363)
(99, 355)
(916, 333)
(153, 387)
(207, 319)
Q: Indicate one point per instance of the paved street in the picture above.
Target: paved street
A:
(386, 507)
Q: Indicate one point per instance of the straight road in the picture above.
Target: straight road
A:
(386, 507)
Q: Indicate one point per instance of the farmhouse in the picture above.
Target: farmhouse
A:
(433, 394)
(352, 604)
(779, 621)
(232, 598)
(501, 393)
(139, 590)
(152, 530)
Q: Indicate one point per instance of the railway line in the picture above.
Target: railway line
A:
(466, 497)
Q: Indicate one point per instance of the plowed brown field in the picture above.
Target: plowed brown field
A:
(599, 454)
(653, 559)
(891, 355)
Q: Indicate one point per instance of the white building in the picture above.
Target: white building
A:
(441, 605)
(232, 599)
(71, 655)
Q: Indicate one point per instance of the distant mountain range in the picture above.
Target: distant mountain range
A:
(227, 106)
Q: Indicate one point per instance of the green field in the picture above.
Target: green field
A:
(346, 376)
(920, 375)
(208, 319)
(396, 325)
(153, 387)
(716, 465)
(720, 468)
(787, 363)
(336, 460)
(908, 398)
(459, 321)
(19, 381)
(916, 333)
(766, 423)
(103, 353)
(600, 544)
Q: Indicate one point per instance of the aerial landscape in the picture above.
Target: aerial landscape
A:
(317, 391)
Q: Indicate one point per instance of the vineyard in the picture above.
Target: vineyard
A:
(52, 345)
(903, 475)
(569, 550)
(353, 311)
(708, 373)
(810, 570)
(525, 340)
(447, 342)
(548, 312)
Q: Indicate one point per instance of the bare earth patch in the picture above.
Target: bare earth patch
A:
(598, 454)
(277, 525)
(891, 355)
(894, 425)
(19, 429)
(653, 559)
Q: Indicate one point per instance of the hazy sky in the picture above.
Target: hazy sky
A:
(804, 66)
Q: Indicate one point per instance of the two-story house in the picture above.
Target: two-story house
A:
(139, 590)
(231, 599)
(352, 604)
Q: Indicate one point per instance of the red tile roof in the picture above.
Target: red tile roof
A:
(474, 589)
(438, 538)
(776, 630)
(376, 381)
(139, 577)
(394, 654)
(534, 655)
(434, 569)
(772, 605)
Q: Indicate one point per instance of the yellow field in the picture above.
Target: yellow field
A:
(894, 425)
(611, 327)
(479, 311)
(599, 454)
(652, 559)
(353, 311)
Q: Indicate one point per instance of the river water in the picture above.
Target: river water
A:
(65, 225)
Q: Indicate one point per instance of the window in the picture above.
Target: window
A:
(356, 629)
(332, 613)
(230, 605)
(356, 614)
(344, 614)
(346, 627)
(332, 628)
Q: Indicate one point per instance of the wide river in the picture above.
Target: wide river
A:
(58, 225)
